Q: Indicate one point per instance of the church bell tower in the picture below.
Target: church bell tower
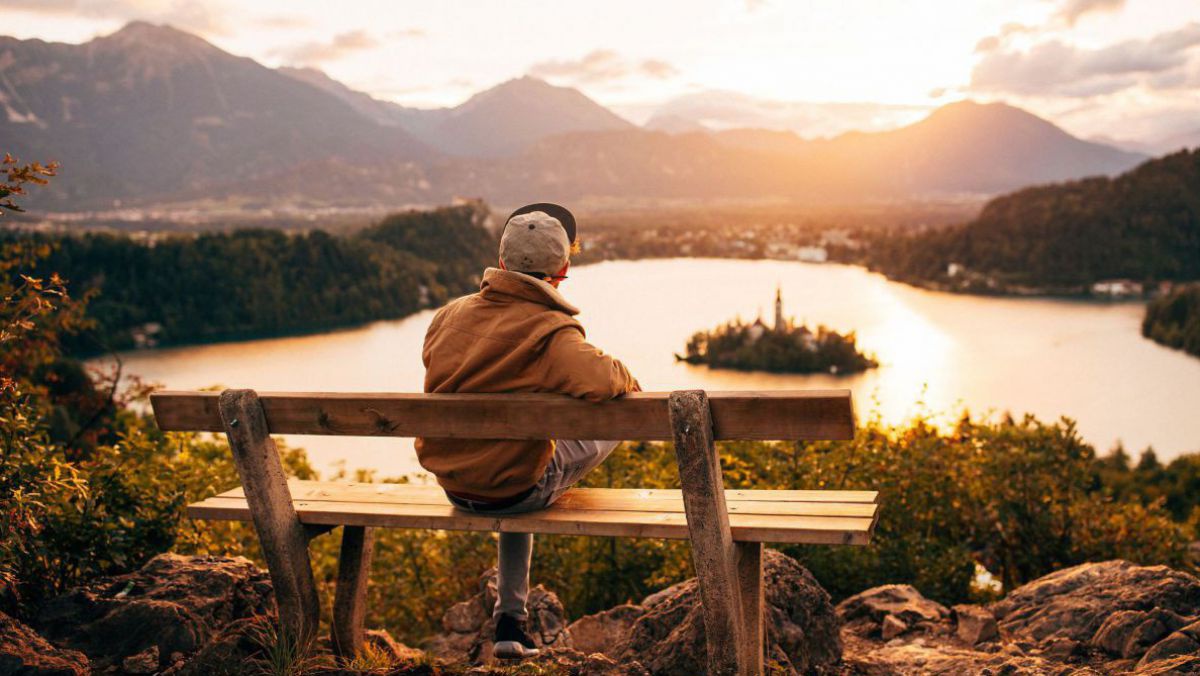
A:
(779, 308)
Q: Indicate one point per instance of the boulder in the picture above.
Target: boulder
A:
(900, 600)
(1102, 618)
(1076, 603)
(1182, 643)
(24, 653)
(1129, 633)
(603, 631)
(173, 606)
(918, 657)
(801, 626)
(470, 628)
(974, 625)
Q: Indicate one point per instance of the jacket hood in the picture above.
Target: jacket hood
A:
(524, 287)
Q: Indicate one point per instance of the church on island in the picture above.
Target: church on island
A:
(782, 325)
(784, 347)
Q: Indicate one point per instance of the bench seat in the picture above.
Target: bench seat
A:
(784, 516)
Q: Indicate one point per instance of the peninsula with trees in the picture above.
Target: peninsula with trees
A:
(784, 347)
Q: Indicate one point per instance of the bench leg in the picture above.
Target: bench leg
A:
(350, 601)
(283, 538)
(713, 552)
(750, 582)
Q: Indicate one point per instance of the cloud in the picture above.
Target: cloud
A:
(1071, 10)
(1008, 30)
(1055, 68)
(602, 65)
(337, 47)
(207, 19)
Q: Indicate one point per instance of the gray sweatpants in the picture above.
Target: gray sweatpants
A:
(572, 460)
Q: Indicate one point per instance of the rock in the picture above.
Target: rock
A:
(145, 662)
(470, 628)
(577, 663)
(24, 653)
(603, 631)
(891, 627)
(1185, 642)
(1128, 633)
(801, 626)
(465, 616)
(901, 600)
(382, 641)
(864, 657)
(1061, 649)
(974, 625)
(1180, 665)
(185, 600)
(1076, 602)
(229, 652)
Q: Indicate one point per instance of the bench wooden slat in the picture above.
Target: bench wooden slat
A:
(669, 525)
(769, 415)
(600, 499)
(731, 494)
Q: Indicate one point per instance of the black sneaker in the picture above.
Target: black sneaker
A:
(512, 643)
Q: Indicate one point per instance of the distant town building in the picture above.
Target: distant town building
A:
(813, 254)
(757, 329)
(1117, 288)
(146, 335)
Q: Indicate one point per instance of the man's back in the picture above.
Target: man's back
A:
(518, 334)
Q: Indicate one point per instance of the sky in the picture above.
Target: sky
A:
(1122, 69)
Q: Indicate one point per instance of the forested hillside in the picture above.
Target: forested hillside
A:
(260, 282)
(1174, 319)
(1141, 225)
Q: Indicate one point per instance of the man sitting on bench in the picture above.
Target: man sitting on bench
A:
(517, 334)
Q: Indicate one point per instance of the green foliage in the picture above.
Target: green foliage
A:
(1174, 319)
(1020, 497)
(1142, 225)
(1016, 496)
(753, 347)
(214, 286)
(32, 483)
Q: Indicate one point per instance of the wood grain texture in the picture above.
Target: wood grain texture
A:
(575, 499)
(283, 537)
(713, 553)
(433, 494)
(750, 585)
(769, 415)
(350, 600)
(666, 525)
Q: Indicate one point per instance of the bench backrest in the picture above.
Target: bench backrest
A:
(771, 415)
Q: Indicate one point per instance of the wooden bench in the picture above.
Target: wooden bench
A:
(726, 527)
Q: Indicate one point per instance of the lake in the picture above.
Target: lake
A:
(939, 353)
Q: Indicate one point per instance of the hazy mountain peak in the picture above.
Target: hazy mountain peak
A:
(144, 34)
(530, 89)
(518, 112)
(982, 115)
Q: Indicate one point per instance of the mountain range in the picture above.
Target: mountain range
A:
(153, 115)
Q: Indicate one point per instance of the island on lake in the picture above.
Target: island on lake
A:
(782, 348)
